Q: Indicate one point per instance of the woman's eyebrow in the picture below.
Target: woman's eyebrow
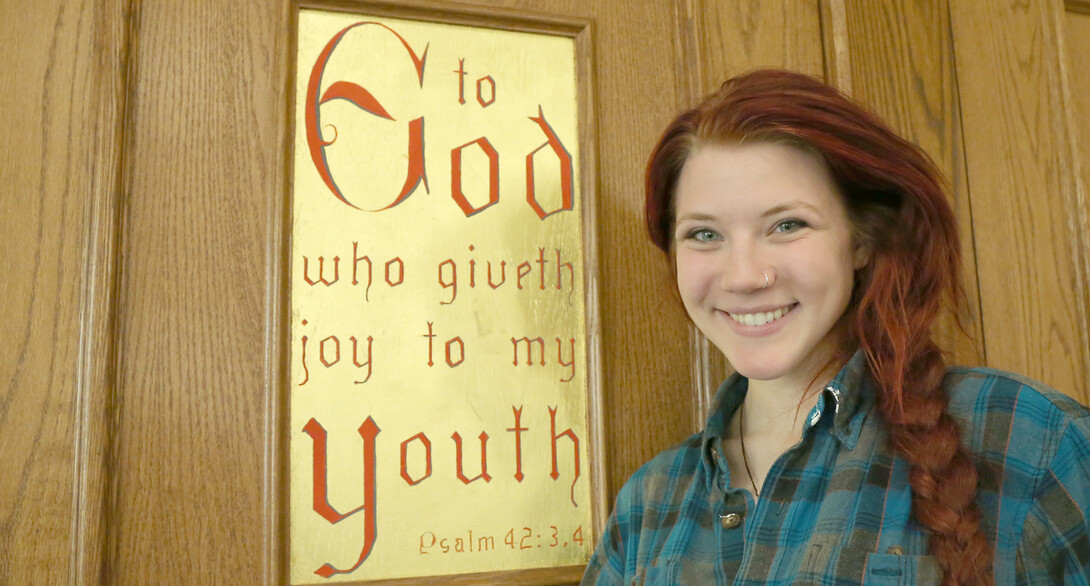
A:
(786, 207)
(697, 216)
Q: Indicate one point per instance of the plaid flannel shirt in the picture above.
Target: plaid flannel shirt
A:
(836, 508)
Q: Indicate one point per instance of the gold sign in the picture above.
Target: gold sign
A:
(439, 375)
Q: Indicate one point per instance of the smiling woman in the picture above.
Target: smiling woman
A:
(815, 249)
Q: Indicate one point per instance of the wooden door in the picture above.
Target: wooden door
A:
(144, 190)
(143, 362)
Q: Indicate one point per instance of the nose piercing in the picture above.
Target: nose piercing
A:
(766, 280)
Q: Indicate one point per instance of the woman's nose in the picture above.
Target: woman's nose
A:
(744, 271)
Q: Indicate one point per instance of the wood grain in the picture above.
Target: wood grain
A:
(144, 213)
(95, 386)
(62, 92)
(204, 194)
(1020, 178)
(903, 69)
(737, 35)
(1077, 78)
(207, 128)
(836, 45)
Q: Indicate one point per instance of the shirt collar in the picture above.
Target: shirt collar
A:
(847, 398)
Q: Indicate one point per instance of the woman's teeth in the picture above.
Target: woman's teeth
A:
(760, 319)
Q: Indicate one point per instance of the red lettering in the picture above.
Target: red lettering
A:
(563, 160)
(306, 372)
(430, 336)
(541, 262)
(529, 350)
(356, 258)
(518, 429)
(461, 71)
(571, 361)
(423, 439)
(356, 361)
(424, 547)
(368, 431)
(321, 351)
(461, 351)
(453, 281)
(575, 449)
(503, 274)
(560, 275)
(523, 273)
(491, 94)
(451, 361)
(321, 271)
(472, 270)
(364, 100)
(400, 271)
(493, 176)
(484, 459)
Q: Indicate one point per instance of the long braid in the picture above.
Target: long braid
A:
(893, 326)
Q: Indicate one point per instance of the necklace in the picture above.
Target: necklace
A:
(742, 434)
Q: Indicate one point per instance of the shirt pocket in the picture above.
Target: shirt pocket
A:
(887, 569)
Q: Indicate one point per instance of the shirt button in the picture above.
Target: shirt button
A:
(730, 520)
(895, 550)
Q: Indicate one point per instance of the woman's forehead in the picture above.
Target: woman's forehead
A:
(761, 176)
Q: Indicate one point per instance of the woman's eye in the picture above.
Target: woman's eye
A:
(788, 226)
(703, 235)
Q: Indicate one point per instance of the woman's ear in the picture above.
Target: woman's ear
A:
(861, 256)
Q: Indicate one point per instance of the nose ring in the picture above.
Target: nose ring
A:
(766, 280)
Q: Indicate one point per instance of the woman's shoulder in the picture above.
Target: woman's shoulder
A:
(979, 391)
(1002, 412)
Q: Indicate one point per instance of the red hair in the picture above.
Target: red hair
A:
(896, 201)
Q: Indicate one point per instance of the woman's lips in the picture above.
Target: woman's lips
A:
(758, 319)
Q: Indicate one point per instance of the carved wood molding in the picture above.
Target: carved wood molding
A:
(1079, 6)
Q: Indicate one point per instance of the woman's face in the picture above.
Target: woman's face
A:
(747, 211)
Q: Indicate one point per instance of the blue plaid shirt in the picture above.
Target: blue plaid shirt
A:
(836, 508)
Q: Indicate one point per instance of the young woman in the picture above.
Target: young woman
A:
(815, 249)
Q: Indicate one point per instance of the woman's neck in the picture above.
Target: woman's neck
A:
(781, 405)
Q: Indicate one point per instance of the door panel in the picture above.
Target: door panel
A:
(1024, 197)
(201, 288)
(145, 193)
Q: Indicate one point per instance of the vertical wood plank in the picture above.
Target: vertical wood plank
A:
(1021, 180)
(834, 33)
(1077, 77)
(61, 94)
(205, 191)
(902, 67)
(737, 35)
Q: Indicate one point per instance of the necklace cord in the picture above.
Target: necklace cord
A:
(742, 436)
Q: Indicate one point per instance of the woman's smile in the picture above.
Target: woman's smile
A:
(760, 318)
